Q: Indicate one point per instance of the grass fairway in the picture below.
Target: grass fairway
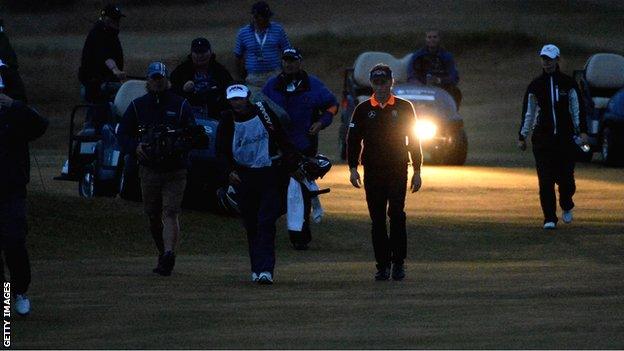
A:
(481, 271)
(481, 274)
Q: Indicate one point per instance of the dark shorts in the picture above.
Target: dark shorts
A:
(162, 191)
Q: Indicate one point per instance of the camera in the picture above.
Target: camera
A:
(167, 145)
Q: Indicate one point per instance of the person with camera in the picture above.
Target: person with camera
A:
(258, 158)
(379, 129)
(202, 80)
(553, 111)
(150, 129)
(19, 125)
(311, 107)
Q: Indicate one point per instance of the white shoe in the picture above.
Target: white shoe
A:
(550, 225)
(254, 277)
(265, 278)
(22, 305)
(567, 216)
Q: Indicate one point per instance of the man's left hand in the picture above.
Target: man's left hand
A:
(5, 101)
(416, 182)
(315, 128)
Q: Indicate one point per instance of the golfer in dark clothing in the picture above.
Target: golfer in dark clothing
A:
(553, 111)
(257, 158)
(19, 125)
(202, 80)
(102, 56)
(378, 130)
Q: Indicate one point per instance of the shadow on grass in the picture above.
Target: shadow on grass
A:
(70, 228)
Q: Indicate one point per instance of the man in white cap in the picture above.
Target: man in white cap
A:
(552, 110)
(256, 157)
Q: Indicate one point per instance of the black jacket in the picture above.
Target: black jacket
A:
(10, 73)
(383, 132)
(552, 109)
(151, 110)
(19, 125)
(101, 44)
(279, 144)
(212, 96)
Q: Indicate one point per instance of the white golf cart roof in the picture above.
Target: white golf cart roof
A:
(128, 91)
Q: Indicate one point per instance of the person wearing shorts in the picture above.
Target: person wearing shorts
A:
(162, 173)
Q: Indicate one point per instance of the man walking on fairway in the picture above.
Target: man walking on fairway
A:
(379, 129)
(553, 111)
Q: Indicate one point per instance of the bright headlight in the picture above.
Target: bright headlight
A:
(425, 130)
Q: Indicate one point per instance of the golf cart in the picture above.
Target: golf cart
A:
(440, 127)
(96, 162)
(601, 83)
(94, 156)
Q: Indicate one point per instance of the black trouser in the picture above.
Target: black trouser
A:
(555, 165)
(260, 203)
(13, 229)
(385, 190)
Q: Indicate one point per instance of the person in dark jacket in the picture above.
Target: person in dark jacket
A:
(553, 112)
(102, 59)
(257, 157)
(162, 171)
(19, 125)
(311, 108)
(202, 80)
(432, 65)
(9, 67)
(379, 129)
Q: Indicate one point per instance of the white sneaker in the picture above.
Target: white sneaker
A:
(265, 278)
(254, 277)
(550, 225)
(22, 305)
(567, 216)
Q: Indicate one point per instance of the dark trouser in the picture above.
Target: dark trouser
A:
(304, 236)
(385, 190)
(260, 203)
(13, 229)
(99, 94)
(555, 165)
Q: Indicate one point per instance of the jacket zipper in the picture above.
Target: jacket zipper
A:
(552, 104)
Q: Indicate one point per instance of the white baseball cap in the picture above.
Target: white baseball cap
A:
(236, 91)
(550, 50)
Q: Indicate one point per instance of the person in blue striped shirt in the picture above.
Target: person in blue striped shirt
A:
(259, 46)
